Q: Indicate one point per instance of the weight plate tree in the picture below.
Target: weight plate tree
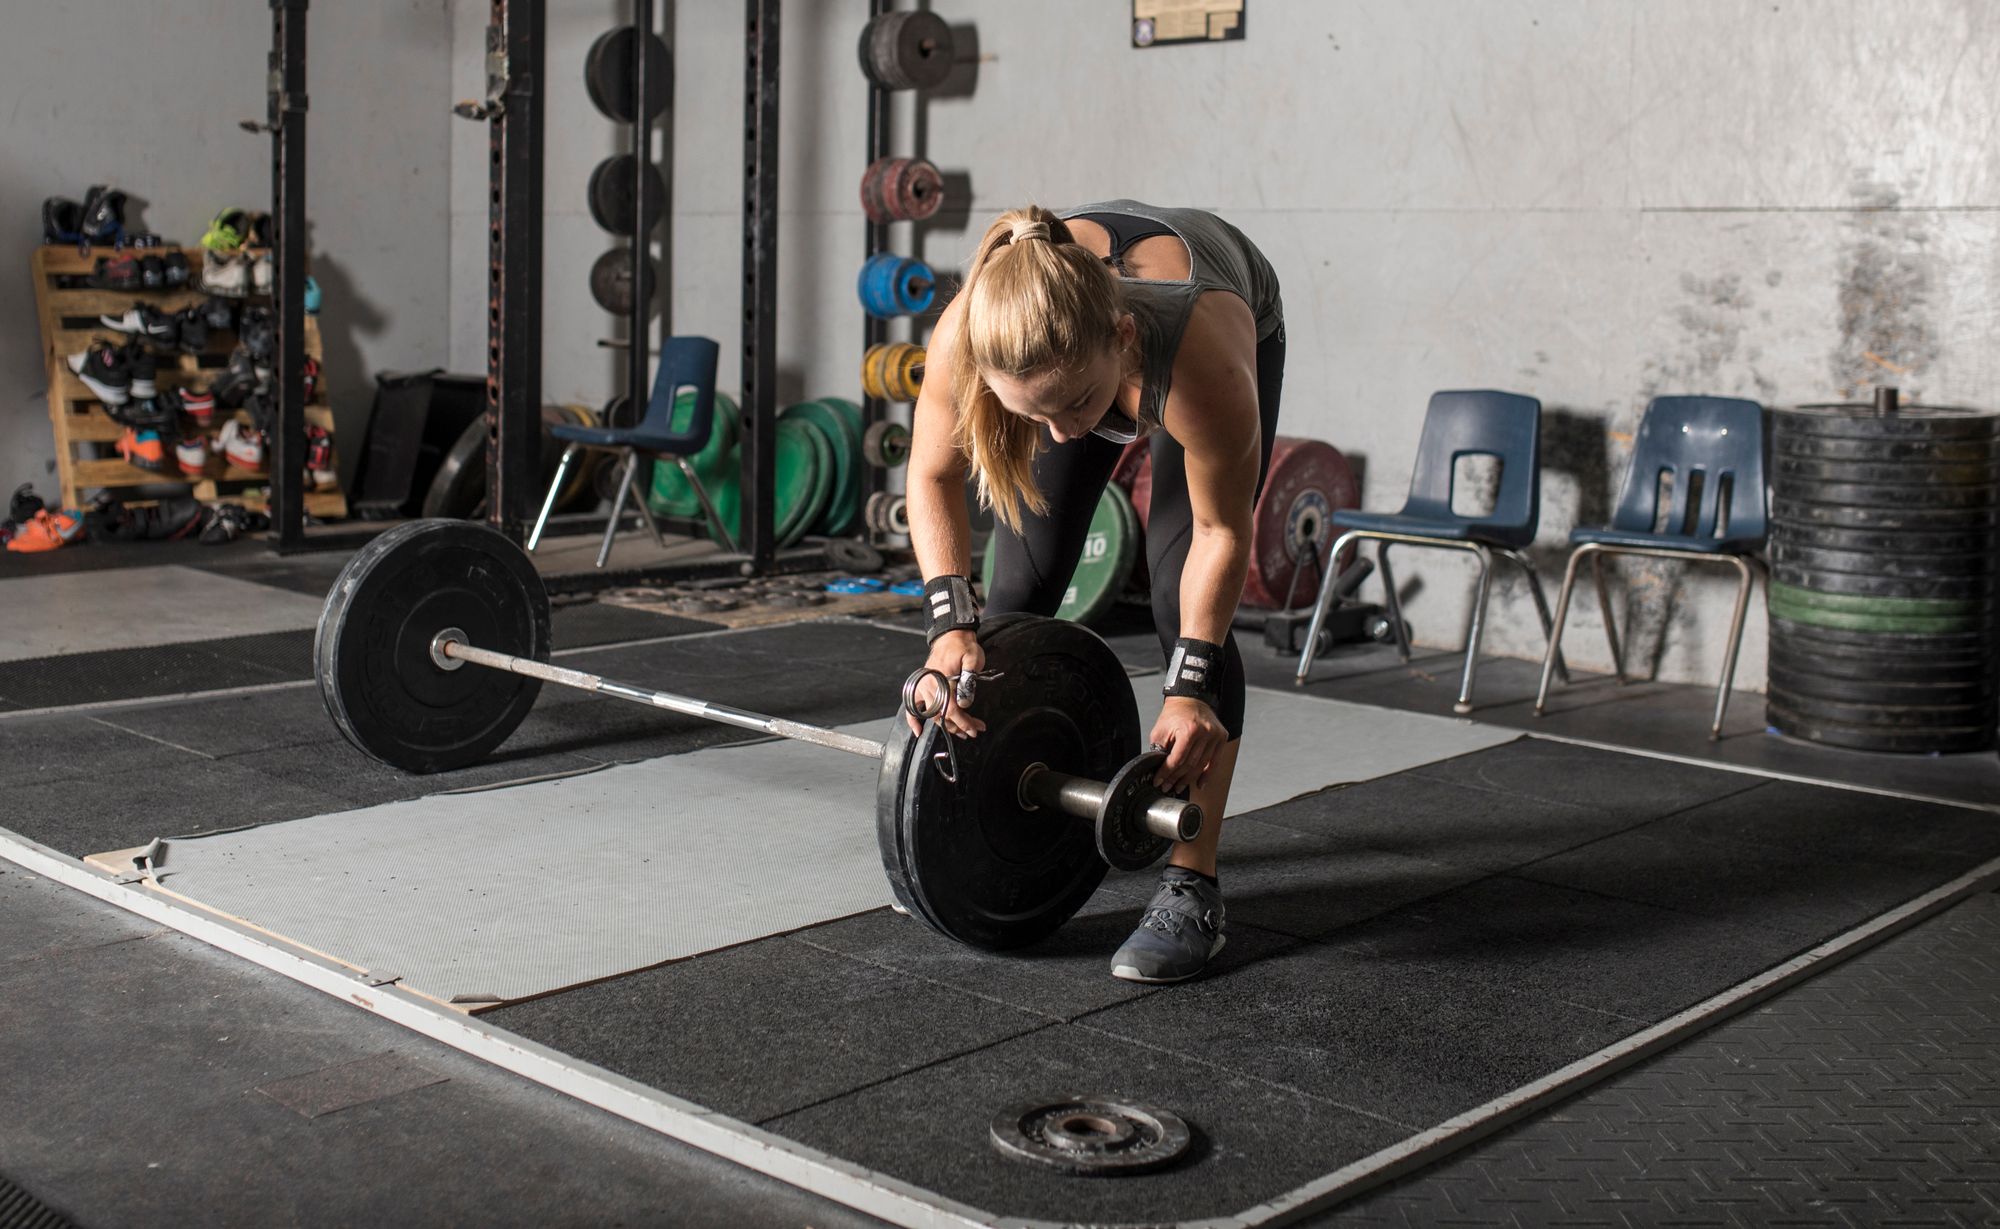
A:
(1884, 537)
(434, 642)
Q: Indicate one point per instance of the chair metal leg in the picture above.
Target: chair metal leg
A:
(639, 502)
(617, 507)
(1556, 629)
(548, 505)
(1478, 630)
(1541, 609)
(1735, 642)
(701, 493)
(1604, 605)
(1328, 596)
(1394, 602)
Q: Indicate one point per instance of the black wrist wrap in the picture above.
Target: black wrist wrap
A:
(948, 606)
(1195, 670)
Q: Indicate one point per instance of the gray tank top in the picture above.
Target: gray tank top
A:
(1220, 257)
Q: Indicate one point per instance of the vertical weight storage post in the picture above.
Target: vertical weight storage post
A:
(638, 324)
(875, 331)
(514, 56)
(760, 280)
(286, 119)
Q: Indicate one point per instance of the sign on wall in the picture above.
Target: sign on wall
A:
(1163, 23)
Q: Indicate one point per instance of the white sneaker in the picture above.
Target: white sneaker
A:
(242, 447)
(225, 273)
(260, 274)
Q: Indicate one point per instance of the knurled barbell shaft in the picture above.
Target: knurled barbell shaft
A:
(1078, 796)
(1171, 818)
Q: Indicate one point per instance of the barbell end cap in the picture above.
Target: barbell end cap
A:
(440, 657)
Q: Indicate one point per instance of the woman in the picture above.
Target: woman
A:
(1073, 336)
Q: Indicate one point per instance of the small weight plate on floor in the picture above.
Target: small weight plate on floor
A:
(966, 857)
(906, 50)
(1913, 588)
(850, 556)
(613, 203)
(849, 586)
(1930, 520)
(611, 281)
(1786, 468)
(1854, 421)
(1091, 1136)
(1887, 564)
(607, 75)
(1123, 840)
(1984, 541)
(1942, 741)
(372, 647)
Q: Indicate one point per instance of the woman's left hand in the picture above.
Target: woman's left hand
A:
(1191, 735)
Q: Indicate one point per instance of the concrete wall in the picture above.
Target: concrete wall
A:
(147, 97)
(1591, 201)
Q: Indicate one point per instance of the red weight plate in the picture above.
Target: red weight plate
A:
(1307, 481)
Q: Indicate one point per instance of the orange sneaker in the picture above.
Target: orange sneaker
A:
(143, 449)
(38, 533)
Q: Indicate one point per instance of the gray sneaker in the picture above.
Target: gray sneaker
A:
(1181, 930)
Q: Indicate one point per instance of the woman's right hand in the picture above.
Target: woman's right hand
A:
(952, 654)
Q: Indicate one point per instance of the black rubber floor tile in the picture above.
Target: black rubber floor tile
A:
(65, 746)
(586, 623)
(1631, 787)
(1389, 1037)
(932, 1128)
(1578, 947)
(340, 772)
(123, 807)
(39, 918)
(765, 1028)
(1702, 861)
(1307, 884)
(1794, 815)
(1063, 977)
(223, 726)
(1438, 821)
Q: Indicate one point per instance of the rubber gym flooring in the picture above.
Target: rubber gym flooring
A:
(1402, 950)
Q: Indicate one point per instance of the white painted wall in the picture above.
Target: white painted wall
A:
(148, 96)
(1591, 201)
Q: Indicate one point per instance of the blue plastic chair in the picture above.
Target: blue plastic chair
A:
(1712, 448)
(685, 362)
(1506, 426)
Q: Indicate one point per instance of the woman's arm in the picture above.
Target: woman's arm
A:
(934, 483)
(1211, 412)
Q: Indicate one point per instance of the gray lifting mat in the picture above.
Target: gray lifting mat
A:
(508, 893)
(76, 612)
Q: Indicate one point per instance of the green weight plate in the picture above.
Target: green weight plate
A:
(1106, 562)
(795, 464)
(1888, 588)
(671, 494)
(1843, 516)
(727, 494)
(1885, 623)
(851, 414)
(1849, 603)
(837, 516)
(814, 482)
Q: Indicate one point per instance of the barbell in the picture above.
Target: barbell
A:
(978, 837)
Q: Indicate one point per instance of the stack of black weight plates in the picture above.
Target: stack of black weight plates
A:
(1885, 525)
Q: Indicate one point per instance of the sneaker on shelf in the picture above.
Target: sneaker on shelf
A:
(225, 231)
(191, 454)
(174, 266)
(218, 314)
(191, 331)
(36, 534)
(62, 220)
(145, 320)
(103, 371)
(309, 377)
(68, 523)
(198, 404)
(24, 504)
(257, 230)
(103, 219)
(144, 367)
(226, 273)
(152, 272)
(241, 445)
(319, 457)
(261, 274)
(234, 384)
(144, 239)
(118, 271)
(259, 407)
(143, 448)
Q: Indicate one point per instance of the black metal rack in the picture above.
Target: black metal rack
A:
(760, 279)
(875, 331)
(286, 119)
(515, 38)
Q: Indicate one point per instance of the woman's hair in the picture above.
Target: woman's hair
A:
(1035, 299)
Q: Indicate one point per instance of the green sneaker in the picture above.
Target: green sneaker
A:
(1180, 932)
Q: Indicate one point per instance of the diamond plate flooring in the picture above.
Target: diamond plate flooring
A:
(1868, 1096)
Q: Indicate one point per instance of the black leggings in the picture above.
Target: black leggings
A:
(1032, 569)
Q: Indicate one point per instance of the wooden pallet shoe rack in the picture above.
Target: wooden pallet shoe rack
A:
(84, 433)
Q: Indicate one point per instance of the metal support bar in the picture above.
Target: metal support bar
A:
(874, 331)
(760, 280)
(638, 353)
(1169, 818)
(514, 58)
(286, 118)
